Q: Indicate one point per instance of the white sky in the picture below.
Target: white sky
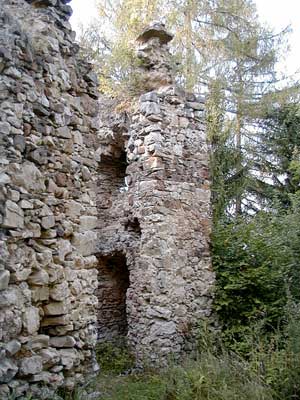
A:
(276, 13)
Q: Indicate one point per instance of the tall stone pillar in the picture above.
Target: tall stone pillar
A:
(159, 216)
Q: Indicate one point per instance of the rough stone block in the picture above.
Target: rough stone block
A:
(13, 347)
(38, 342)
(88, 222)
(4, 279)
(60, 291)
(31, 320)
(8, 370)
(40, 293)
(55, 308)
(62, 341)
(13, 215)
(85, 243)
(31, 365)
(39, 278)
(149, 108)
(55, 321)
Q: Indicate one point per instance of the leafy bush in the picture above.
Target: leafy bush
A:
(257, 264)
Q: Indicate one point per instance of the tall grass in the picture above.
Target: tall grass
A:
(270, 371)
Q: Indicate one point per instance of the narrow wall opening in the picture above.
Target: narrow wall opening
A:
(113, 284)
(114, 169)
(111, 185)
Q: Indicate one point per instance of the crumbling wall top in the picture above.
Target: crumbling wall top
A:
(154, 56)
(156, 30)
(61, 5)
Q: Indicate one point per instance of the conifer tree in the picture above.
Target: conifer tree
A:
(218, 45)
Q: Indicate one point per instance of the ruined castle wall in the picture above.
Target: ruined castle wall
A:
(105, 216)
(48, 127)
(160, 220)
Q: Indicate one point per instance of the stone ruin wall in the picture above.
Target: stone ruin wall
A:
(105, 217)
(48, 198)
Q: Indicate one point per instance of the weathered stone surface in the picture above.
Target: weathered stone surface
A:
(39, 278)
(27, 175)
(106, 218)
(162, 329)
(149, 108)
(31, 365)
(64, 248)
(8, 369)
(4, 279)
(64, 132)
(69, 357)
(38, 342)
(56, 321)
(13, 347)
(31, 320)
(86, 243)
(156, 30)
(155, 270)
(13, 216)
(40, 293)
(62, 341)
(50, 357)
(88, 222)
(56, 308)
(49, 129)
(48, 222)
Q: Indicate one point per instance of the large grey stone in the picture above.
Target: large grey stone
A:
(56, 308)
(13, 347)
(88, 222)
(4, 279)
(85, 243)
(69, 358)
(60, 291)
(150, 96)
(64, 248)
(27, 175)
(38, 342)
(13, 215)
(149, 108)
(31, 365)
(64, 132)
(8, 370)
(62, 341)
(39, 278)
(49, 356)
(48, 222)
(31, 320)
(161, 328)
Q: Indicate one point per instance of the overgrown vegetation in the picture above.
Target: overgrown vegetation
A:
(270, 371)
(114, 357)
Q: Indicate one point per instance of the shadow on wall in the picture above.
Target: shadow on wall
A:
(113, 284)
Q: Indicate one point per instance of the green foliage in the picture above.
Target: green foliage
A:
(114, 357)
(210, 377)
(278, 153)
(271, 371)
(248, 283)
(257, 264)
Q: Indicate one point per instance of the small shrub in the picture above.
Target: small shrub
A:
(114, 357)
